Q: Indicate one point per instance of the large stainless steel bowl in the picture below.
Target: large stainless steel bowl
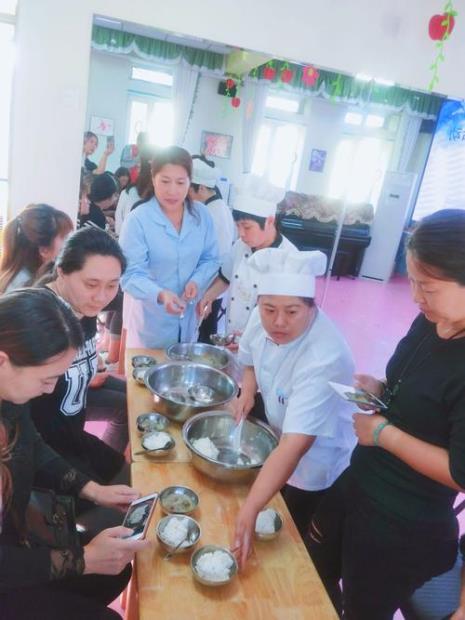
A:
(257, 442)
(199, 353)
(176, 386)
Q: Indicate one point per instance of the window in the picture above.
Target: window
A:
(155, 77)
(374, 121)
(6, 75)
(359, 167)
(154, 115)
(278, 152)
(285, 104)
(353, 118)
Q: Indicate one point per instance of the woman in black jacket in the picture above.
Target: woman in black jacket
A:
(38, 340)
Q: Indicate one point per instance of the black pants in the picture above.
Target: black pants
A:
(76, 598)
(382, 559)
(210, 325)
(301, 504)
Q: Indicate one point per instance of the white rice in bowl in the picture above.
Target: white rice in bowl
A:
(205, 446)
(156, 441)
(265, 523)
(175, 531)
(214, 566)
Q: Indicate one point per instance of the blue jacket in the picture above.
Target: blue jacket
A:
(159, 257)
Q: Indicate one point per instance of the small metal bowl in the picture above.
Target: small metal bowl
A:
(278, 525)
(193, 535)
(209, 549)
(143, 360)
(157, 451)
(138, 374)
(178, 500)
(221, 340)
(148, 422)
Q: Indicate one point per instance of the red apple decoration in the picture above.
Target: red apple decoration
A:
(310, 75)
(269, 73)
(230, 83)
(286, 75)
(235, 102)
(438, 27)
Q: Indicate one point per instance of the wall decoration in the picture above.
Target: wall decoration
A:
(317, 160)
(235, 102)
(269, 72)
(439, 29)
(216, 144)
(310, 75)
(102, 126)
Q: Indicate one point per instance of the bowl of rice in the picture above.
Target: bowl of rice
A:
(210, 438)
(213, 566)
(178, 500)
(174, 530)
(157, 443)
(268, 524)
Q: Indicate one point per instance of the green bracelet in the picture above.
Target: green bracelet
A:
(377, 431)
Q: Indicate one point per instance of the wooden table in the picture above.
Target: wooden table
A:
(140, 400)
(279, 583)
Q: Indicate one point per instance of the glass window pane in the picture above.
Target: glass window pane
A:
(6, 74)
(260, 159)
(283, 155)
(3, 204)
(137, 120)
(161, 124)
(155, 77)
(8, 6)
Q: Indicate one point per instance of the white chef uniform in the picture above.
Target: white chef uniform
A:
(293, 378)
(257, 198)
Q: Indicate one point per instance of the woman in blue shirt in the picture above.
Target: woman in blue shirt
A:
(170, 246)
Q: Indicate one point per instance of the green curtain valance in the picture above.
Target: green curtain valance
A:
(154, 49)
(347, 89)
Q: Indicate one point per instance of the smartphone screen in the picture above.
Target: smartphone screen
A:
(138, 515)
(356, 395)
(110, 140)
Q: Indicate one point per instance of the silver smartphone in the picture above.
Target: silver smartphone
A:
(138, 515)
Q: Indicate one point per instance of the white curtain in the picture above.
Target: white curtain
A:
(408, 136)
(184, 88)
(254, 99)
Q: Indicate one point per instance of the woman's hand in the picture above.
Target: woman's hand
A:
(109, 552)
(369, 384)
(190, 291)
(234, 345)
(459, 614)
(364, 426)
(242, 405)
(172, 303)
(117, 496)
(245, 527)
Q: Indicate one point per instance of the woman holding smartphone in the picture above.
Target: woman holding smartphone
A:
(387, 525)
(39, 342)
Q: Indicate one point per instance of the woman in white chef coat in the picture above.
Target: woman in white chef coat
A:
(254, 213)
(170, 245)
(290, 350)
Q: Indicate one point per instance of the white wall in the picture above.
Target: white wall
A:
(53, 37)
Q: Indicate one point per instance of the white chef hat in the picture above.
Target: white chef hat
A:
(287, 271)
(203, 174)
(258, 197)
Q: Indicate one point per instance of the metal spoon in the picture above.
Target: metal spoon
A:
(171, 553)
(237, 436)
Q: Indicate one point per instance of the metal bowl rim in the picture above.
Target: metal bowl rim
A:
(170, 446)
(149, 357)
(172, 488)
(165, 420)
(207, 549)
(217, 348)
(209, 414)
(274, 534)
(178, 516)
(160, 367)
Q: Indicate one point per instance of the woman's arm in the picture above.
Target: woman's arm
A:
(274, 474)
(425, 458)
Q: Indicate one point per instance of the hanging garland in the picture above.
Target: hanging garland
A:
(440, 28)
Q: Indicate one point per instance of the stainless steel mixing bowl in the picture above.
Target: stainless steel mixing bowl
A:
(257, 442)
(199, 353)
(175, 384)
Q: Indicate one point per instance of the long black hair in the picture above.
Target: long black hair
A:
(86, 242)
(437, 244)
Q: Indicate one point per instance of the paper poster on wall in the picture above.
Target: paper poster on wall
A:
(102, 126)
(216, 144)
(317, 160)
